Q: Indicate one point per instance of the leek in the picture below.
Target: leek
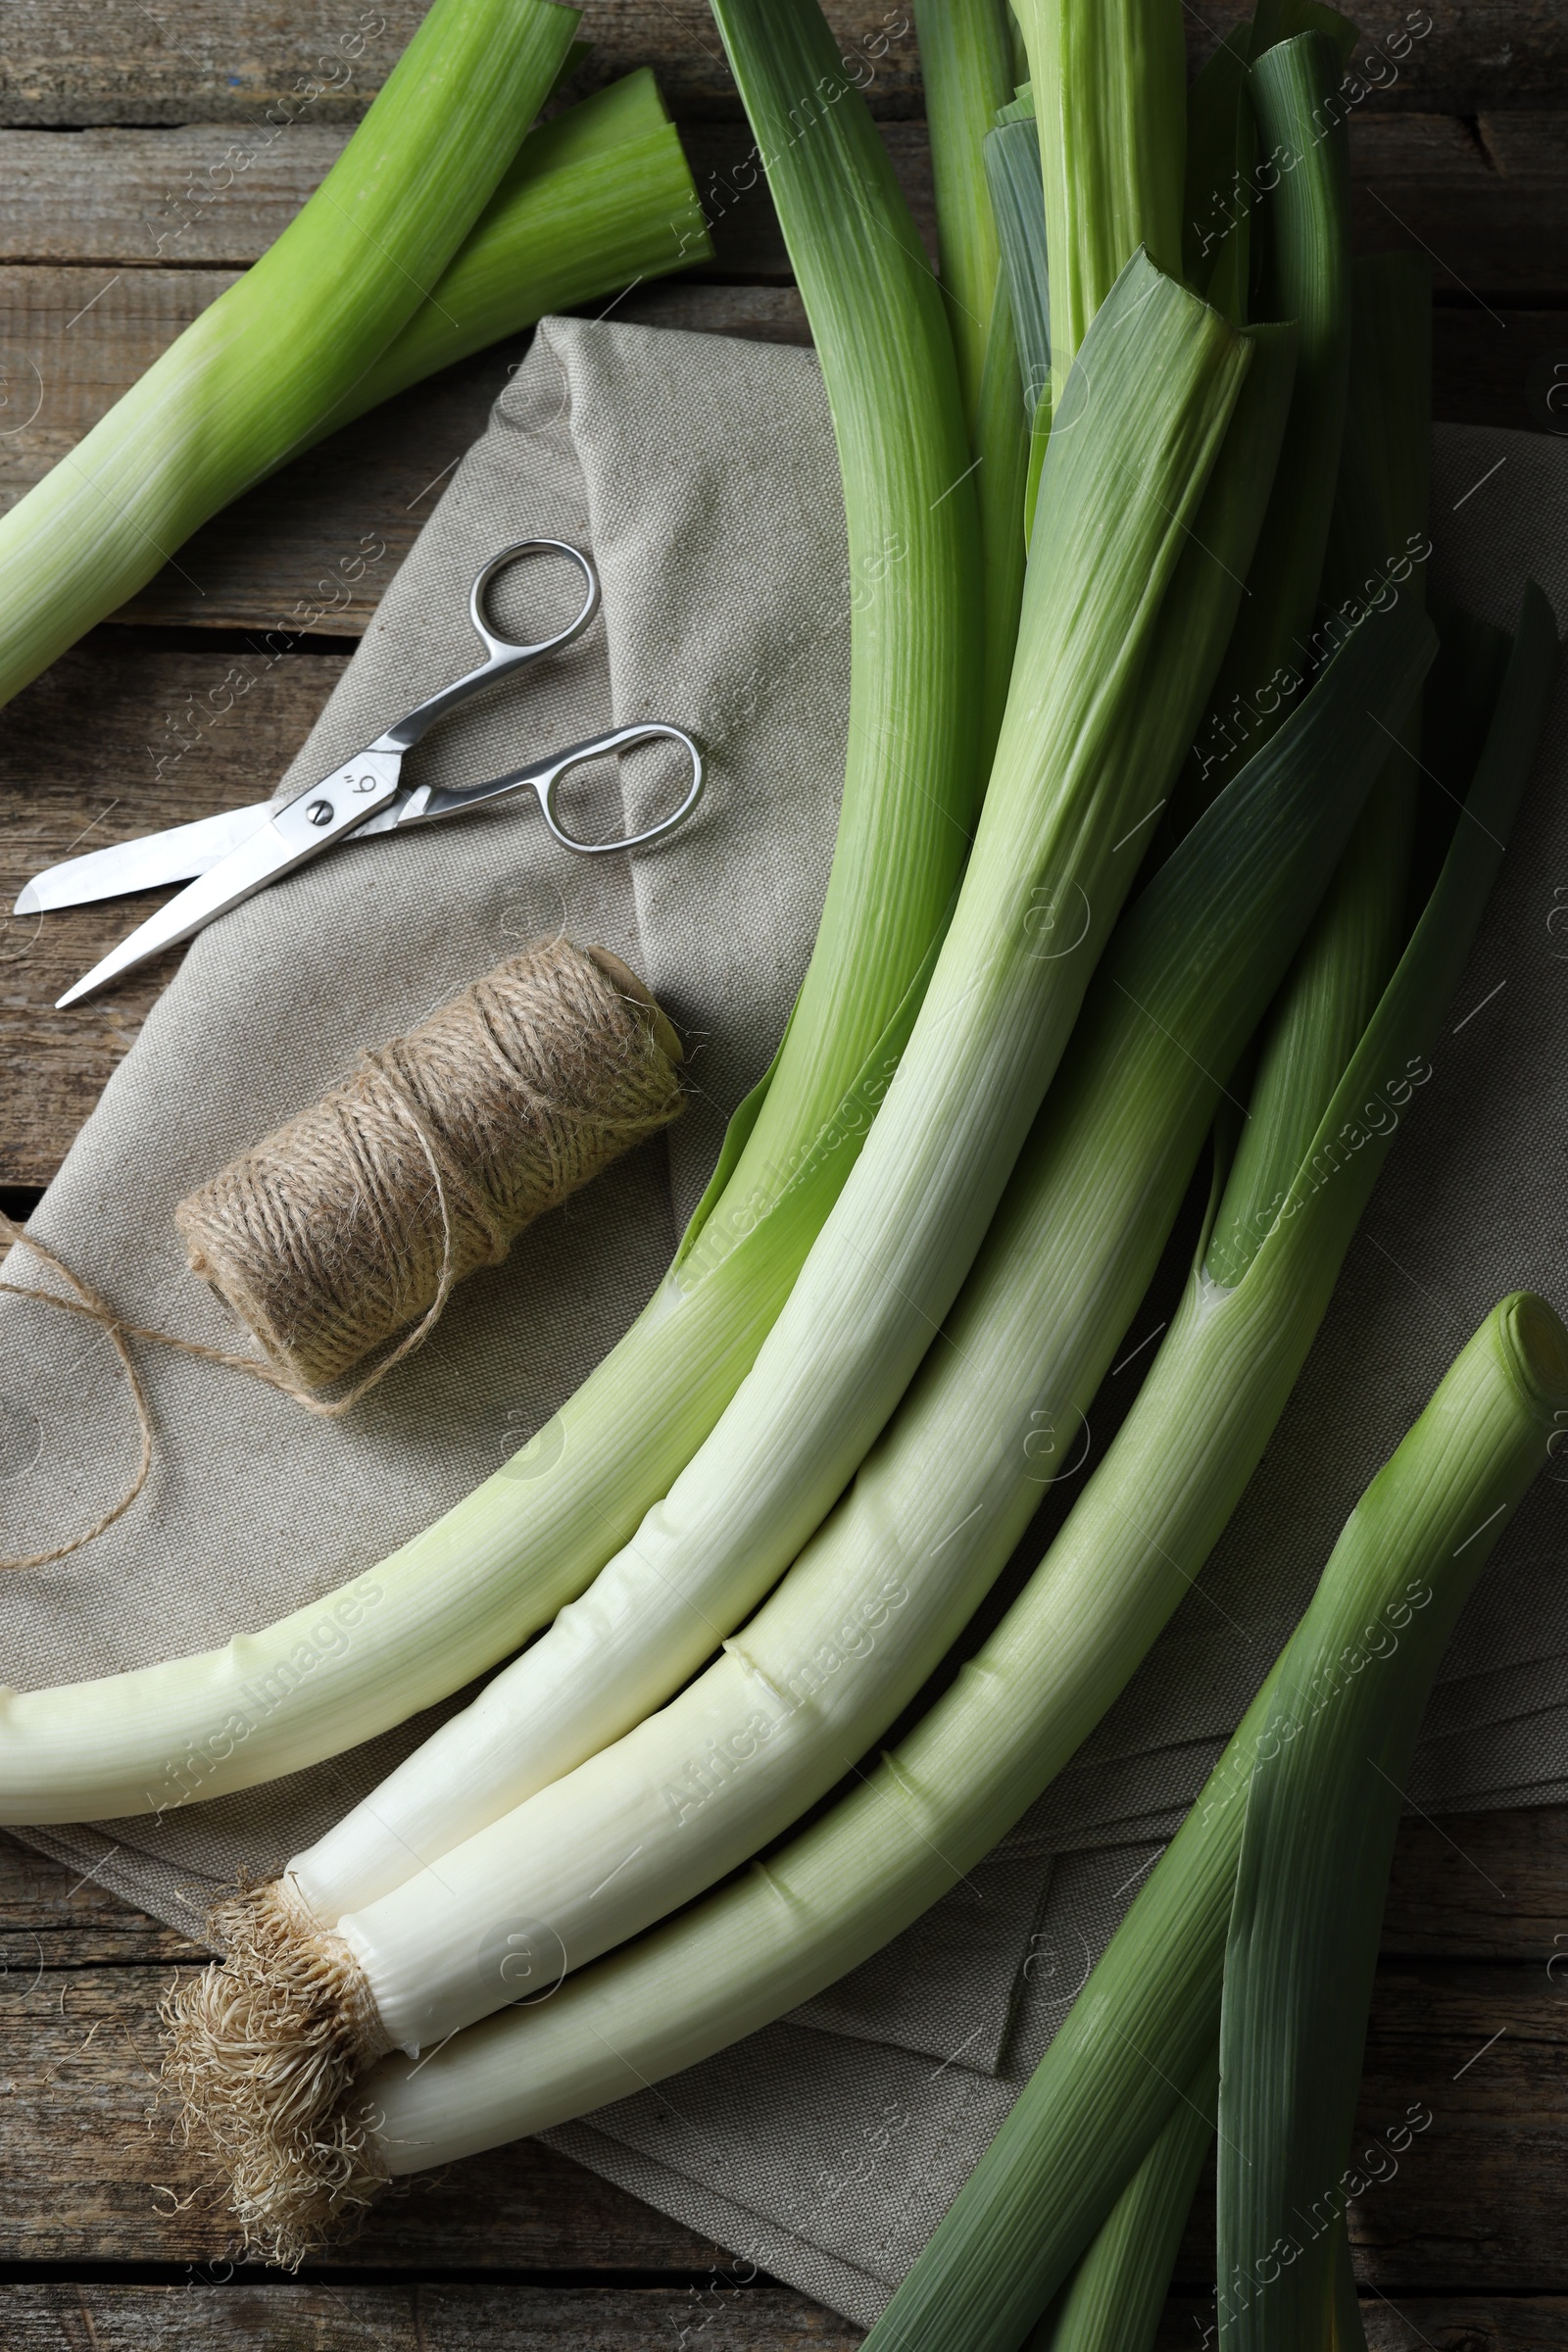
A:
(1221, 158)
(1013, 174)
(252, 377)
(1380, 517)
(966, 68)
(469, 1590)
(840, 1888)
(1392, 1588)
(1002, 439)
(1022, 322)
(1107, 93)
(1321, 1819)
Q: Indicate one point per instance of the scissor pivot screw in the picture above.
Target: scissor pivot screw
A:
(319, 813)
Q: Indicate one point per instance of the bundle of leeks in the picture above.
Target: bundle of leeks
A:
(780, 1465)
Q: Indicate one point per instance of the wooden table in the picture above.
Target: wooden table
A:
(116, 228)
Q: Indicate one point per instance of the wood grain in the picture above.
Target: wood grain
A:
(1488, 196)
(1523, 2322)
(189, 198)
(1477, 2038)
(706, 2316)
(199, 2314)
(82, 62)
(117, 739)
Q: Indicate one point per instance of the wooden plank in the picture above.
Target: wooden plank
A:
(713, 2316)
(235, 61)
(109, 200)
(207, 196)
(1477, 1886)
(763, 314)
(1476, 2200)
(1432, 182)
(1481, 1887)
(55, 1918)
(117, 739)
(276, 2318)
(1470, 2204)
(1523, 2322)
(88, 2171)
(1525, 146)
(1490, 199)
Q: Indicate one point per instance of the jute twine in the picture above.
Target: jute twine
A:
(353, 1220)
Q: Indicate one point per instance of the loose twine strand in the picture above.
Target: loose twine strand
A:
(357, 1218)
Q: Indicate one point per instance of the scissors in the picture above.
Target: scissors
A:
(237, 852)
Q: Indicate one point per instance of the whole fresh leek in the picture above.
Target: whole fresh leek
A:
(1353, 1684)
(1321, 1817)
(475, 1585)
(839, 1890)
(252, 377)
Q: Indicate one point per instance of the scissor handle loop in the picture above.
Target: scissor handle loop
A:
(547, 782)
(508, 649)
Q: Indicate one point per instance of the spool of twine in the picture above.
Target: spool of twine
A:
(354, 1220)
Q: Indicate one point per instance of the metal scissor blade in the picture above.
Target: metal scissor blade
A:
(338, 804)
(150, 864)
(244, 870)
